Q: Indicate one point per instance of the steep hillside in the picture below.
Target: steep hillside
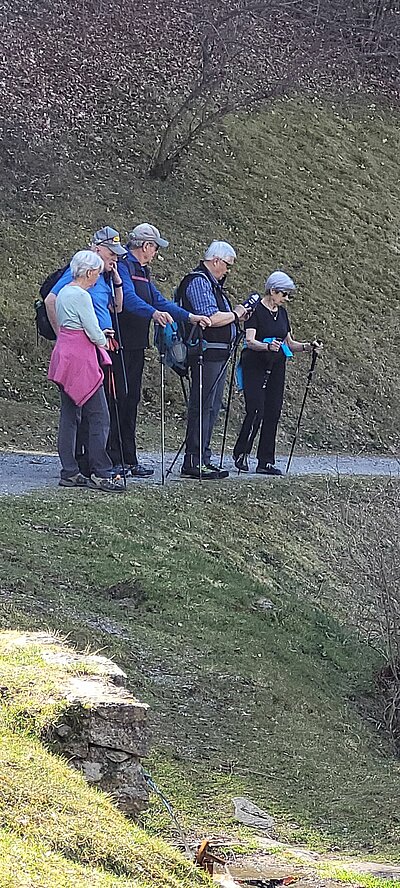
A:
(245, 620)
(305, 186)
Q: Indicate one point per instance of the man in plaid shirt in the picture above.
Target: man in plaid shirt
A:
(202, 293)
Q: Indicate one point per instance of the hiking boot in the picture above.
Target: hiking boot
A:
(139, 471)
(222, 473)
(107, 485)
(241, 462)
(192, 471)
(74, 481)
(268, 469)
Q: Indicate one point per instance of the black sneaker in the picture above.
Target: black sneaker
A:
(140, 471)
(241, 462)
(268, 469)
(206, 473)
(222, 473)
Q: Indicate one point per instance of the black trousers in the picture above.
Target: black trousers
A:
(127, 405)
(263, 405)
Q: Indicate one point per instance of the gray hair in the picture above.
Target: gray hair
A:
(220, 250)
(85, 260)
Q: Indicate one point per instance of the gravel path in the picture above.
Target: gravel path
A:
(25, 472)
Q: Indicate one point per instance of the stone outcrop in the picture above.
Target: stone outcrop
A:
(102, 729)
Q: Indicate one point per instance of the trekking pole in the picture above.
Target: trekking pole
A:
(309, 380)
(239, 336)
(201, 366)
(119, 338)
(184, 392)
(113, 392)
(162, 384)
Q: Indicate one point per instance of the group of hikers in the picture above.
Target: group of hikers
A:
(100, 308)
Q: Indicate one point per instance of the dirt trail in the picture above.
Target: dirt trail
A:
(24, 472)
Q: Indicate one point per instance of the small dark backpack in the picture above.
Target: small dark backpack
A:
(43, 326)
(172, 347)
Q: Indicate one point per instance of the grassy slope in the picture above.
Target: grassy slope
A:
(55, 830)
(304, 187)
(277, 705)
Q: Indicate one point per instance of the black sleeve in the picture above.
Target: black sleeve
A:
(289, 329)
(252, 322)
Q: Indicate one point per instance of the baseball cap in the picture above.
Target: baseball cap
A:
(278, 280)
(147, 232)
(110, 238)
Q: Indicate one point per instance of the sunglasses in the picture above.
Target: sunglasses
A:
(228, 264)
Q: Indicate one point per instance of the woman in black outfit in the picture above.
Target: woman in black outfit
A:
(264, 365)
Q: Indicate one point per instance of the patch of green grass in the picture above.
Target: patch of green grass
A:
(271, 704)
(51, 808)
(340, 874)
(307, 186)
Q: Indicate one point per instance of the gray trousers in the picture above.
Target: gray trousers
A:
(212, 401)
(95, 414)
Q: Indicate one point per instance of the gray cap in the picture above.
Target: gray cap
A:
(146, 232)
(110, 238)
(278, 280)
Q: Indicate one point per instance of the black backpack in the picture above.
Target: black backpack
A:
(43, 326)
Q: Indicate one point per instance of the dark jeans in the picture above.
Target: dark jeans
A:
(212, 401)
(127, 406)
(263, 406)
(95, 417)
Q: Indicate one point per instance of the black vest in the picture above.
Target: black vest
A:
(134, 329)
(210, 334)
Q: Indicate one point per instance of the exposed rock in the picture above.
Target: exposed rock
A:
(103, 729)
(250, 814)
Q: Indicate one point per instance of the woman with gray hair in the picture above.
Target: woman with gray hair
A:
(75, 368)
(268, 344)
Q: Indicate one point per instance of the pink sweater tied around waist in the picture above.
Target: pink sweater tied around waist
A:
(75, 365)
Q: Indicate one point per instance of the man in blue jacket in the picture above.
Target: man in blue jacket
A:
(142, 303)
(106, 242)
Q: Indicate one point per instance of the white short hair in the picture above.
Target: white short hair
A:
(220, 250)
(85, 260)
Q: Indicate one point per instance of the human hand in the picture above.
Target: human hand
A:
(241, 312)
(202, 320)
(317, 346)
(163, 318)
(273, 346)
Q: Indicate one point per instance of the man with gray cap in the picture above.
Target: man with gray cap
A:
(203, 291)
(269, 343)
(142, 303)
(106, 242)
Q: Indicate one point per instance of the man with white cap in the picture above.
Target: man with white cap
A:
(268, 344)
(142, 303)
(203, 291)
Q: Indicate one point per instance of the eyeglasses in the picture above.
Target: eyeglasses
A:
(228, 264)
